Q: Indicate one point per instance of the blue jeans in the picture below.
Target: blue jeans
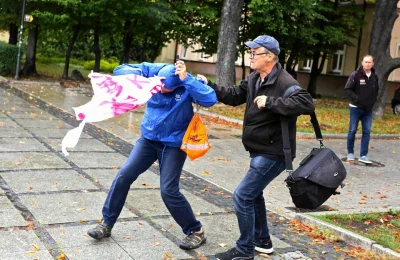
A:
(249, 202)
(170, 160)
(356, 115)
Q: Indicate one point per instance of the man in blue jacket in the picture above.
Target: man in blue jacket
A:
(167, 116)
(362, 89)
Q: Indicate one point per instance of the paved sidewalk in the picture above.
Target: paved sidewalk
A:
(49, 200)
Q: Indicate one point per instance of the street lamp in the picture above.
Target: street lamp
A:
(20, 41)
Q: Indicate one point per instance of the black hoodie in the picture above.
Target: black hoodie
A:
(361, 90)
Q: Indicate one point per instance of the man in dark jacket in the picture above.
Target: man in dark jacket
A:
(269, 93)
(362, 89)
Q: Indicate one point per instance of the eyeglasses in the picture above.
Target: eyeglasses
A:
(253, 54)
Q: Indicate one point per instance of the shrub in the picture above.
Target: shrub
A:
(105, 66)
(8, 58)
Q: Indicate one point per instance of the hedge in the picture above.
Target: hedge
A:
(8, 59)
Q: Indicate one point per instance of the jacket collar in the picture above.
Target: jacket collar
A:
(271, 78)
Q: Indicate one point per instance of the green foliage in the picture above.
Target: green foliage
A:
(8, 58)
(105, 66)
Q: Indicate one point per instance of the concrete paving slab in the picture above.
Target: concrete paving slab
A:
(54, 133)
(14, 133)
(41, 254)
(34, 116)
(43, 123)
(8, 123)
(84, 145)
(9, 215)
(156, 206)
(68, 207)
(222, 231)
(96, 160)
(19, 241)
(97, 251)
(157, 248)
(21, 144)
(30, 160)
(46, 181)
(75, 236)
(146, 180)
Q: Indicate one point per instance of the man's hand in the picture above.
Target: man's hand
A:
(180, 69)
(261, 101)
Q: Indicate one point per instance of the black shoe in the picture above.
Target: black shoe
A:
(100, 231)
(233, 254)
(193, 241)
(265, 248)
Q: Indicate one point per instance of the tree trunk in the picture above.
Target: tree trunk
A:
(96, 50)
(71, 43)
(30, 61)
(381, 34)
(13, 31)
(227, 42)
(127, 43)
(315, 72)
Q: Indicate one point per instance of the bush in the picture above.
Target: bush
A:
(105, 66)
(8, 58)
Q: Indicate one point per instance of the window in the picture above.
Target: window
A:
(307, 64)
(184, 52)
(337, 62)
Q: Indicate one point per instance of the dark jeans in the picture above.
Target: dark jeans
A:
(249, 202)
(356, 115)
(170, 160)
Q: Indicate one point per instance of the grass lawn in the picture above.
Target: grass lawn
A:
(332, 114)
(382, 227)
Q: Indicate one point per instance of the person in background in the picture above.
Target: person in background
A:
(270, 93)
(167, 116)
(362, 89)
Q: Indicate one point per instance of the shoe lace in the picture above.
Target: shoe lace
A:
(101, 227)
(192, 238)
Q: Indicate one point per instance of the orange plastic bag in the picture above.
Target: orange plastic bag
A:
(195, 141)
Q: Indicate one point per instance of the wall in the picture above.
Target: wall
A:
(4, 36)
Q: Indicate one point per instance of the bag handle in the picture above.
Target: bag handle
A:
(286, 144)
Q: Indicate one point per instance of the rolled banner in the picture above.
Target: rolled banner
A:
(112, 96)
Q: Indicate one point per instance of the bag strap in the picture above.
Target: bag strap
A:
(286, 144)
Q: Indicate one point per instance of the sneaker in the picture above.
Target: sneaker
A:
(193, 241)
(265, 248)
(364, 159)
(100, 231)
(233, 254)
(350, 157)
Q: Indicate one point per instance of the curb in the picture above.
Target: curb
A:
(348, 236)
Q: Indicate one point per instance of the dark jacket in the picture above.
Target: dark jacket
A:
(361, 90)
(261, 127)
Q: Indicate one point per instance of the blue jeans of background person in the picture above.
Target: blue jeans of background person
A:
(249, 202)
(170, 160)
(365, 116)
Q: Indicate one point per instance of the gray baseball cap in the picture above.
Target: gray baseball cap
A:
(265, 41)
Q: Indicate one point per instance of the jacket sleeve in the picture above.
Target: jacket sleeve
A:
(299, 102)
(201, 94)
(349, 88)
(145, 69)
(233, 95)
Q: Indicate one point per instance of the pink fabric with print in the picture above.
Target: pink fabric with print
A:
(112, 96)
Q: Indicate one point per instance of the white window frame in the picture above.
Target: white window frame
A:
(307, 64)
(338, 67)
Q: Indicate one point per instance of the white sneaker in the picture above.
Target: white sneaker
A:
(364, 159)
(350, 157)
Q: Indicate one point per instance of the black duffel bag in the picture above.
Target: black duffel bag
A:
(319, 174)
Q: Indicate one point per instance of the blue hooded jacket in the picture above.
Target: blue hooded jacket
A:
(168, 115)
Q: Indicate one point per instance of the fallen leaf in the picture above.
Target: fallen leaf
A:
(35, 247)
(222, 245)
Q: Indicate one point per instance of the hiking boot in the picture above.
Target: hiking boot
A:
(193, 241)
(100, 231)
(233, 254)
(350, 157)
(364, 159)
(265, 248)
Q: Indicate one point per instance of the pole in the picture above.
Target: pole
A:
(20, 41)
